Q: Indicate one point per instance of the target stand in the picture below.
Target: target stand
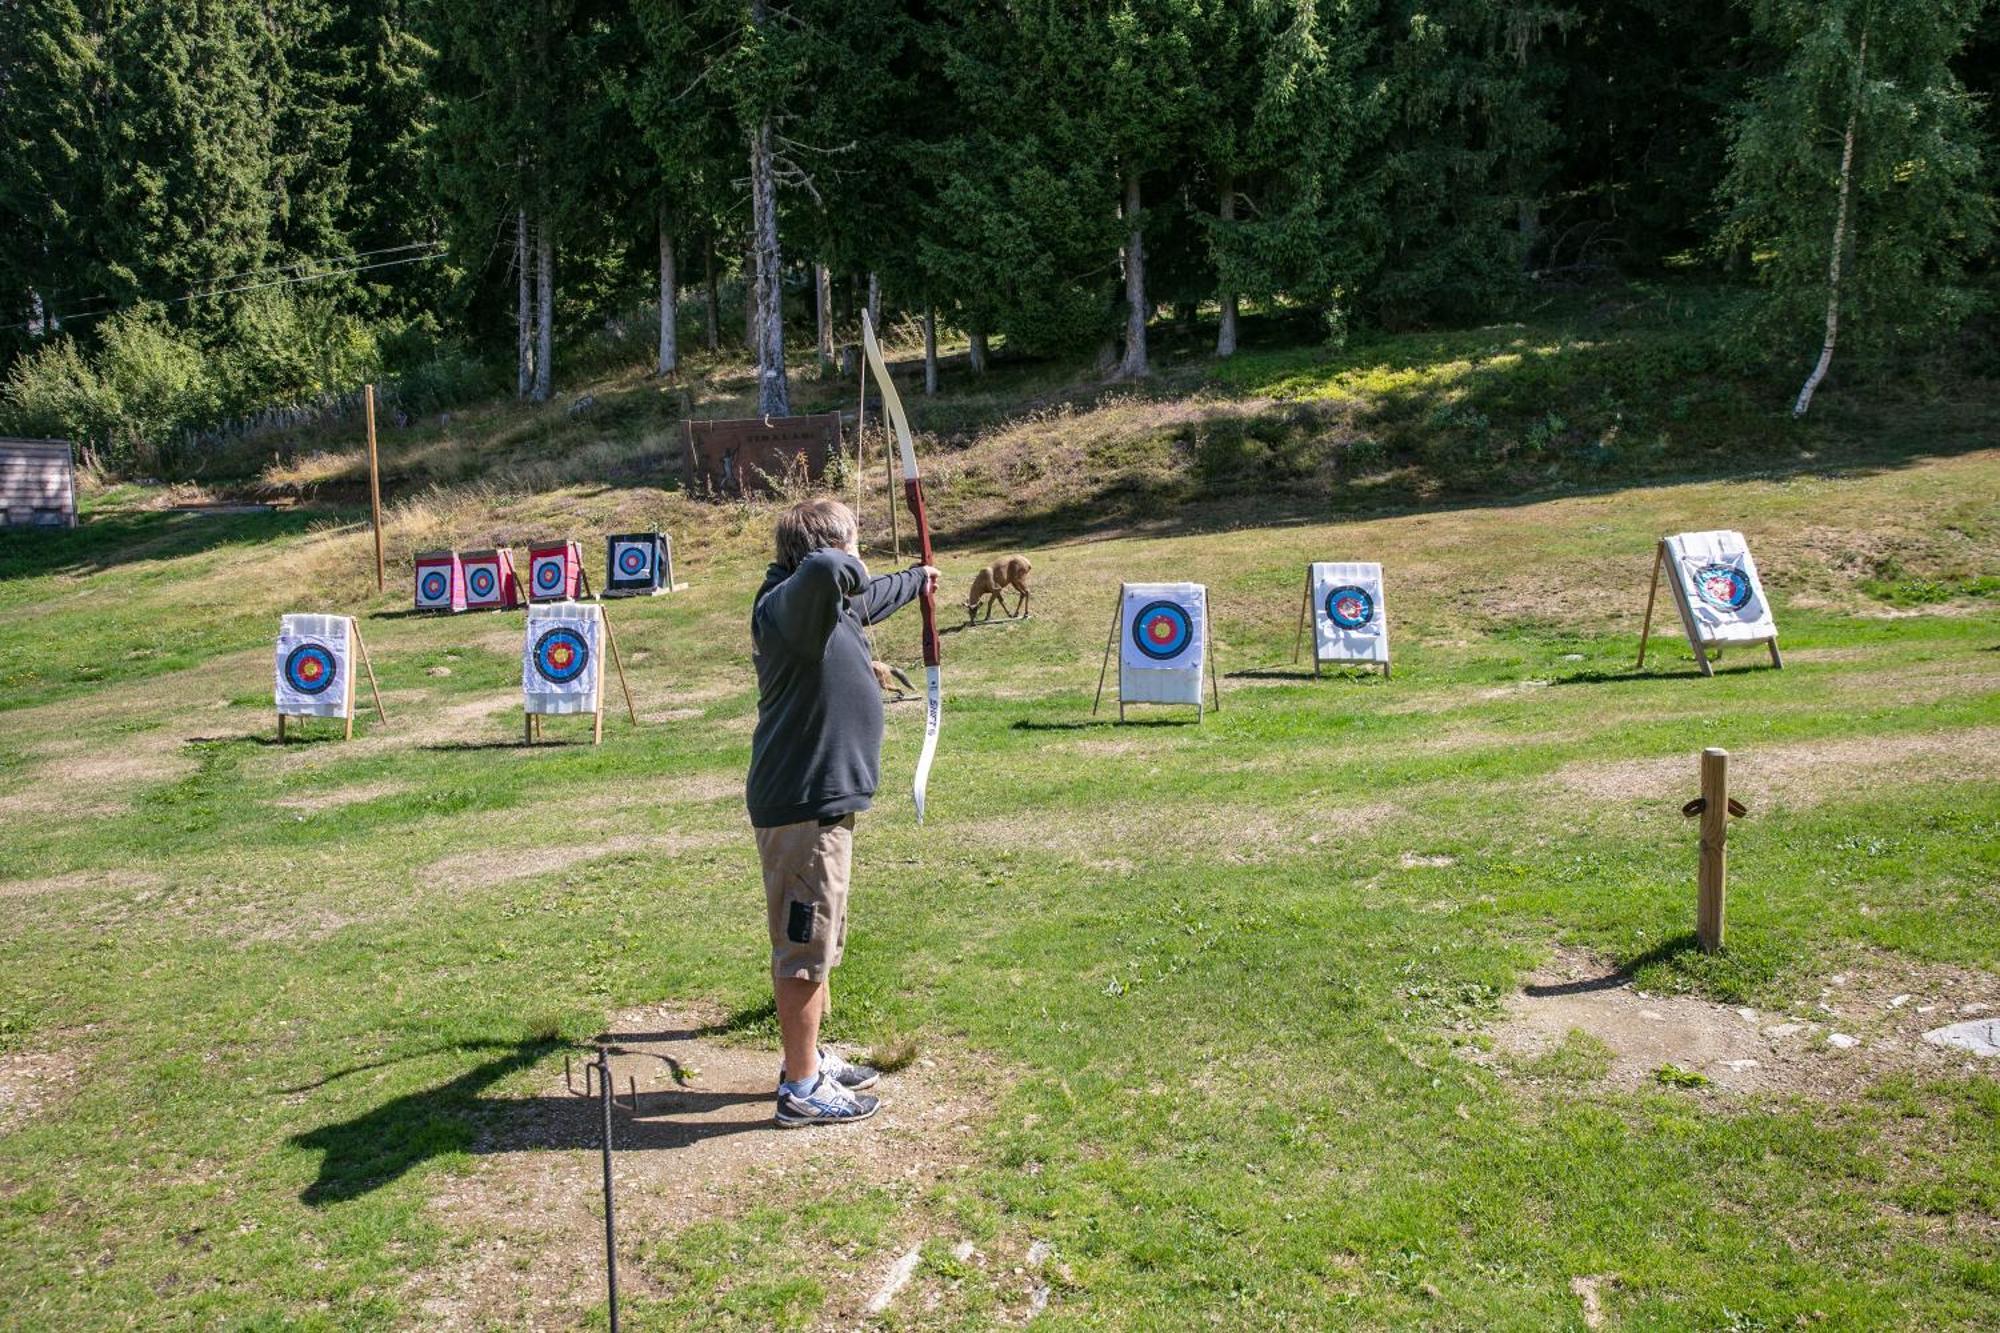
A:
(440, 581)
(315, 670)
(491, 582)
(1350, 623)
(555, 571)
(639, 564)
(1160, 631)
(562, 667)
(1718, 593)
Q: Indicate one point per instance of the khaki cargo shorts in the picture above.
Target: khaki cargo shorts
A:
(805, 894)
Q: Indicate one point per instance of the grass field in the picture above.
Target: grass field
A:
(1219, 1015)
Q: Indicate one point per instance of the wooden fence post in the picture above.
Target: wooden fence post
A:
(1714, 874)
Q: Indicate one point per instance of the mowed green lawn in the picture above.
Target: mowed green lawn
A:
(1229, 985)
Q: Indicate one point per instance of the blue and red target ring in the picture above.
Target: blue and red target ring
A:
(632, 562)
(433, 585)
(1350, 607)
(310, 668)
(482, 581)
(561, 655)
(1723, 586)
(548, 575)
(1162, 630)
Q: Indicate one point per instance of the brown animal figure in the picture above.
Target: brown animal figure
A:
(892, 678)
(987, 585)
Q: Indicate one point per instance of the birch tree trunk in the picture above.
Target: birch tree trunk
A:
(750, 342)
(670, 306)
(545, 332)
(774, 397)
(1134, 366)
(875, 303)
(977, 356)
(1839, 243)
(708, 259)
(524, 309)
(1225, 334)
(823, 306)
(930, 350)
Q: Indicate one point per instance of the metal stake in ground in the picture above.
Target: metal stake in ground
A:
(610, 1217)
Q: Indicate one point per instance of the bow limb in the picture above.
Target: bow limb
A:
(913, 496)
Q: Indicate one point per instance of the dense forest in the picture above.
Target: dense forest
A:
(211, 208)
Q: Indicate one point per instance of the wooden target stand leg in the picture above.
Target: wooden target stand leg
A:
(1652, 593)
(1214, 681)
(1298, 643)
(616, 661)
(1109, 641)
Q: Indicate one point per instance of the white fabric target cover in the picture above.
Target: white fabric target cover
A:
(562, 666)
(1161, 632)
(632, 560)
(1350, 623)
(1716, 584)
(314, 660)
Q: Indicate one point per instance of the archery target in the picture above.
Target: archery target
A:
(638, 562)
(313, 660)
(554, 571)
(1161, 631)
(561, 667)
(633, 560)
(1349, 623)
(440, 582)
(489, 578)
(1717, 588)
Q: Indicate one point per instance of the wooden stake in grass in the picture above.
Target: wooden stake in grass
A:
(1714, 807)
(374, 480)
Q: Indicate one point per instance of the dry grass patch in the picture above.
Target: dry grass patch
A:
(29, 1082)
(1798, 774)
(701, 1147)
(497, 865)
(316, 802)
(77, 880)
(1579, 1020)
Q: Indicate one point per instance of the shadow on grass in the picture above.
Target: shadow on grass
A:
(269, 740)
(1669, 950)
(1271, 673)
(1094, 723)
(363, 1153)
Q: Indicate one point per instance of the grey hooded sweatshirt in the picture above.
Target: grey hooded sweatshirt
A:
(817, 750)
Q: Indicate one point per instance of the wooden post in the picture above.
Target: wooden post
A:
(281, 728)
(1652, 591)
(1117, 609)
(1305, 603)
(374, 480)
(1714, 873)
(373, 688)
(630, 711)
(1214, 681)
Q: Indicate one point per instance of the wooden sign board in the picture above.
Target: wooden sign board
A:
(740, 458)
(37, 484)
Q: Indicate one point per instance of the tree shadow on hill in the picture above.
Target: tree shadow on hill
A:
(379, 1146)
(107, 541)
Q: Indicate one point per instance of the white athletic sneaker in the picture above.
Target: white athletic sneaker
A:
(827, 1103)
(842, 1071)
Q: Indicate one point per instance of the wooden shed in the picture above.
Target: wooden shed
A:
(37, 484)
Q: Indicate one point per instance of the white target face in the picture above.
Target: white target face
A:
(482, 582)
(1162, 649)
(312, 662)
(561, 669)
(549, 576)
(1350, 623)
(632, 561)
(1720, 595)
(433, 587)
